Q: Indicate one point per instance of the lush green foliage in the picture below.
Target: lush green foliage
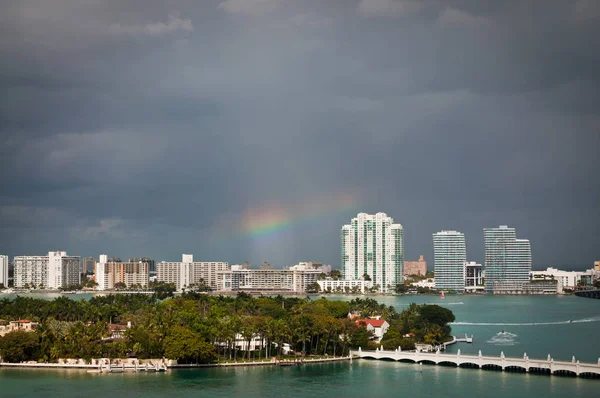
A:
(423, 323)
(198, 328)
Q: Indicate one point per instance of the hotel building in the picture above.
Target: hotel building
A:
(507, 260)
(295, 279)
(53, 271)
(108, 273)
(449, 258)
(187, 272)
(373, 245)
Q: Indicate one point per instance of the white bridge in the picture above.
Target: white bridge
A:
(525, 364)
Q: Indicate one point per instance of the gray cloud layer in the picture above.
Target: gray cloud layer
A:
(152, 127)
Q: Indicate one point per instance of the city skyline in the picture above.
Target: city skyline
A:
(338, 265)
(251, 130)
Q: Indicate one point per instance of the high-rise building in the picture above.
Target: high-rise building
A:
(87, 265)
(53, 271)
(418, 267)
(3, 270)
(108, 273)
(373, 245)
(151, 262)
(187, 272)
(507, 260)
(449, 257)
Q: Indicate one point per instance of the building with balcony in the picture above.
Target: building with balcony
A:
(189, 273)
(330, 285)
(373, 245)
(108, 273)
(565, 279)
(294, 279)
(53, 271)
(507, 259)
(449, 258)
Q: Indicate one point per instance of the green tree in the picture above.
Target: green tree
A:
(313, 288)
(184, 345)
(19, 346)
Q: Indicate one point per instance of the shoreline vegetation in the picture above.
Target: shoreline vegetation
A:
(204, 329)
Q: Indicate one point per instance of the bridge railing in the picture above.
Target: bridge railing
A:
(574, 366)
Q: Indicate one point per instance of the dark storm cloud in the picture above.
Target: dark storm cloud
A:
(152, 127)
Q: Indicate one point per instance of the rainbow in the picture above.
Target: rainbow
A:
(275, 217)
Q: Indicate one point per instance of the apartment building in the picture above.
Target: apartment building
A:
(53, 271)
(108, 273)
(188, 272)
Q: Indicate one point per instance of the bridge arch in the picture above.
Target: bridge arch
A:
(515, 369)
(489, 366)
(589, 375)
(428, 362)
(472, 365)
(444, 362)
(544, 371)
(564, 372)
(407, 360)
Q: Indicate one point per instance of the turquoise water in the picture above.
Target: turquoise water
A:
(560, 325)
(358, 379)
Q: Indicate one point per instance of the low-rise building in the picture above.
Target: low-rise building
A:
(295, 279)
(537, 286)
(344, 285)
(565, 279)
(428, 283)
(24, 325)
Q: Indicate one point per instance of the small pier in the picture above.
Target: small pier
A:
(106, 366)
(525, 364)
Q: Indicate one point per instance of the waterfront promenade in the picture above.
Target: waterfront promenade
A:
(160, 365)
(524, 364)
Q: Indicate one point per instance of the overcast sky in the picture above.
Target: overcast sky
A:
(161, 127)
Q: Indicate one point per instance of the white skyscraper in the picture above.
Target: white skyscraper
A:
(53, 271)
(449, 255)
(507, 260)
(373, 245)
(4, 270)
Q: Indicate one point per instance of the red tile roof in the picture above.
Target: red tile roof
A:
(114, 327)
(376, 323)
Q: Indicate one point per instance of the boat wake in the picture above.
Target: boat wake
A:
(504, 338)
(584, 320)
(445, 304)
